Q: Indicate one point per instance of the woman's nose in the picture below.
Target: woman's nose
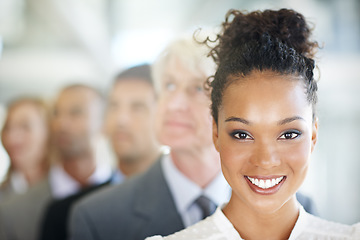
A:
(266, 156)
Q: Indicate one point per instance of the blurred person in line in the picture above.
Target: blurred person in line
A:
(128, 124)
(265, 128)
(174, 192)
(76, 127)
(130, 119)
(25, 137)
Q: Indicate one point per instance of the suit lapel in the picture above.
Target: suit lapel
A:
(155, 205)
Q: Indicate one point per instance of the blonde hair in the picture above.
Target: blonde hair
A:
(190, 52)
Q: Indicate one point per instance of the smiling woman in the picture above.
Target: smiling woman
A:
(265, 129)
(265, 134)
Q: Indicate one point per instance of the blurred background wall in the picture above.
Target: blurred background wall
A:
(46, 44)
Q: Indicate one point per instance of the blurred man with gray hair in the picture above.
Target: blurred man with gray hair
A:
(173, 193)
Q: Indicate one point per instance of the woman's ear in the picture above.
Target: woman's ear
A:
(314, 135)
(215, 135)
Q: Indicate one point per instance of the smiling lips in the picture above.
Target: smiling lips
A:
(265, 185)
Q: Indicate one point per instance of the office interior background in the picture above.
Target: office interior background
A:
(46, 44)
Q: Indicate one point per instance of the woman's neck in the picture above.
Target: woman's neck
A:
(201, 165)
(256, 225)
(34, 174)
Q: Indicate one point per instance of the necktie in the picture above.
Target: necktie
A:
(206, 205)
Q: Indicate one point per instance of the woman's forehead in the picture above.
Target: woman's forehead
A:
(264, 94)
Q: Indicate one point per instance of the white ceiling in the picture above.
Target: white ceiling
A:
(48, 43)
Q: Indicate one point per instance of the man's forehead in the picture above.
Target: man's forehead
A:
(76, 99)
(192, 77)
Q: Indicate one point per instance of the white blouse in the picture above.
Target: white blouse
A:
(307, 227)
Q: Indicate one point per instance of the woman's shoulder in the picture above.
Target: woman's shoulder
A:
(320, 227)
(212, 228)
(202, 230)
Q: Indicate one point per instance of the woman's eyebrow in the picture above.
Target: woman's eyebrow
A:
(281, 122)
(290, 119)
(237, 119)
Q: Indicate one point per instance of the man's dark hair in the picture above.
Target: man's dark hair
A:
(142, 72)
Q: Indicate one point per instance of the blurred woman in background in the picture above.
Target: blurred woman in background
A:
(25, 137)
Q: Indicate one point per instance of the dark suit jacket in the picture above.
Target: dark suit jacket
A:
(140, 207)
(55, 220)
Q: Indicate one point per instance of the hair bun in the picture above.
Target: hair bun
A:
(285, 25)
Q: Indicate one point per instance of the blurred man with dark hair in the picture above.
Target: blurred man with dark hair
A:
(130, 118)
(128, 125)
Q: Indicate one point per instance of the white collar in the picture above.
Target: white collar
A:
(223, 223)
(63, 185)
(18, 182)
(300, 224)
(225, 226)
(184, 191)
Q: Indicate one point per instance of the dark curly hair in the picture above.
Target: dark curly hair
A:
(270, 40)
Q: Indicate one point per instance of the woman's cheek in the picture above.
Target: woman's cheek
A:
(233, 157)
(298, 155)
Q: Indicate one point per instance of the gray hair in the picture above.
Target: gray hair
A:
(191, 53)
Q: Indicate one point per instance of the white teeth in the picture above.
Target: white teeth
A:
(278, 180)
(267, 183)
(264, 184)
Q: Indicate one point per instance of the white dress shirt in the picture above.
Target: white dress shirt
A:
(63, 185)
(18, 182)
(218, 227)
(185, 192)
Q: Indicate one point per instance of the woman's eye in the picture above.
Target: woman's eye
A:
(241, 136)
(290, 135)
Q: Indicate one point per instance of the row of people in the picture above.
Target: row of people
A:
(263, 125)
(129, 123)
(76, 124)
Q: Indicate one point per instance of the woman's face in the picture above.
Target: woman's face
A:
(25, 135)
(265, 135)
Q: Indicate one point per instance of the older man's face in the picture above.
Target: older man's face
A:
(184, 120)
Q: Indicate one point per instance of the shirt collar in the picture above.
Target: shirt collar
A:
(102, 174)
(218, 190)
(118, 177)
(184, 191)
(63, 185)
(300, 224)
(18, 182)
(224, 224)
